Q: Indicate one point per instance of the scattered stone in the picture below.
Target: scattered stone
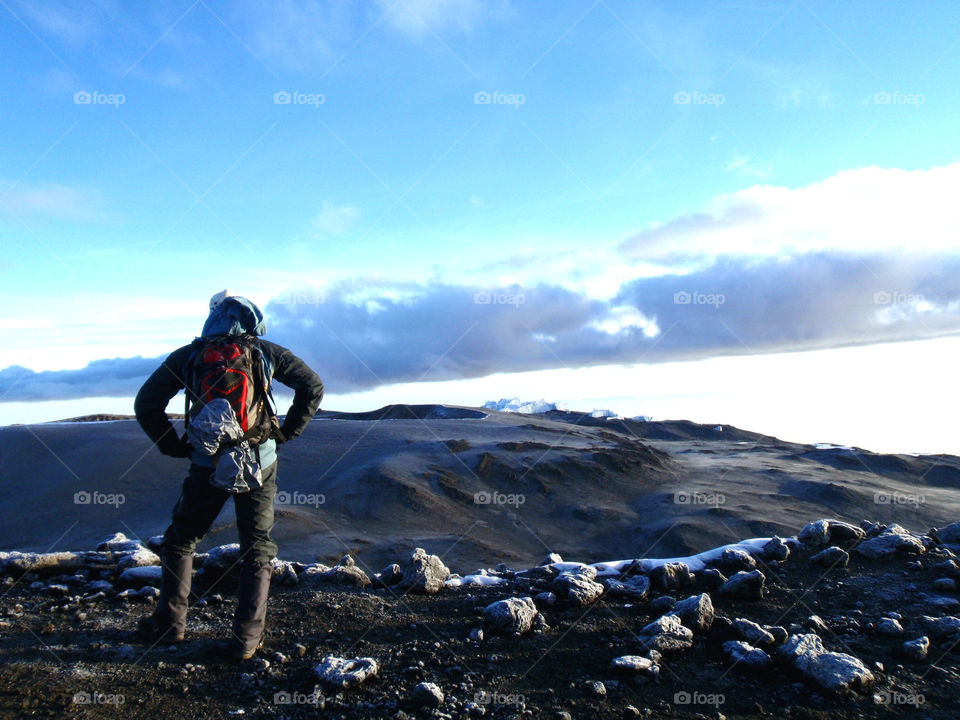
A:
(636, 587)
(745, 585)
(916, 649)
(547, 599)
(895, 540)
(775, 549)
(696, 612)
(890, 627)
(671, 576)
(426, 694)
(945, 584)
(636, 663)
(343, 673)
(752, 632)
(345, 575)
(780, 634)
(821, 533)
(736, 559)
(940, 627)
(136, 577)
(816, 623)
(662, 604)
(741, 652)
(515, 615)
(713, 578)
(551, 559)
(577, 589)
(424, 573)
(390, 575)
(476, 634)
(837, 672)
(598, 688)
(832, 556)
(666, 634)
(950, 533)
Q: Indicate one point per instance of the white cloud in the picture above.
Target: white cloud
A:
(53, 201)
(416, 17)
(865, 210)
(334, 219)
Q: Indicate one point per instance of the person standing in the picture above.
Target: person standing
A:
(228, 369)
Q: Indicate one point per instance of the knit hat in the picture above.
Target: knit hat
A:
(220, 297)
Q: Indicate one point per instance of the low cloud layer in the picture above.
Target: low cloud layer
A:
(359, 336)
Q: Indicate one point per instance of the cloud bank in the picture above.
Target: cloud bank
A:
(863, 257)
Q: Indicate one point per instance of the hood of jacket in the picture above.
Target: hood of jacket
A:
(235, 316)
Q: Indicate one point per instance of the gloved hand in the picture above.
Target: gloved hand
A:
(178, 448)
(278, 435)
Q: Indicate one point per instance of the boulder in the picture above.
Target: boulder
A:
(916, 649)
(513, 615)
(427, 695)
(577, 589)
(340, 672)
(775, 549)
(733, 559)
(745, 654)
(894, 541)
(423, 573)
(137, 577)
(744, 585)
(636, 587)
(671, 576)
(666, 634)
(752, 632)
(831, 557)
(635, 663)
(696, 612)
(834, 671)
(889, 627)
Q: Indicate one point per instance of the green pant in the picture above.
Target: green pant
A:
(200, 503)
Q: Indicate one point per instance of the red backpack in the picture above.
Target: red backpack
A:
(231, 367)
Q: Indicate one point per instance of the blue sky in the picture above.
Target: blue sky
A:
(795, 158)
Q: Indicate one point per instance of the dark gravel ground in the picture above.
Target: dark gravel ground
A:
(83, 663)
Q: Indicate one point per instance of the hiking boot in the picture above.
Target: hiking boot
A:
(233, 650)
(151, 630)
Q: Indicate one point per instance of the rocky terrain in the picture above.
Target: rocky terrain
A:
(839, 621)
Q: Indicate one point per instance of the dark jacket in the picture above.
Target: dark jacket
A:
(151, 402)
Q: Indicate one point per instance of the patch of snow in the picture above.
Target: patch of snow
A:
(516, 405)
(474, 580)
(694, 562)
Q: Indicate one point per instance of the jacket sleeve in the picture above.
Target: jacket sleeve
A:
(306, 384)
(150, 405)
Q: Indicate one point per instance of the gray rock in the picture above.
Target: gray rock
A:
(837, 672)
(746, 654)
(950, 533)
(824, 532)
(752, 632)
(940, 627)
(598, 688)
(816, 623)
(890, 627)
(426, 694)
(551, 559)
(744, 584)
(945, 584)
(514, 615)
(636, 587)
(345, 575)
(662, 604)
(136, 577)
(636, 663)
(546, 599)
(780, 634)
(736, 559)
(696, 612)
(895, 540)
(671, 576)
(666, 634)
(916, 649)
(390, 575)
(577, 589)
(775, 549)
(342, 673)
(831, 556)
(284, 573)
(713, 578)
(424, 573)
